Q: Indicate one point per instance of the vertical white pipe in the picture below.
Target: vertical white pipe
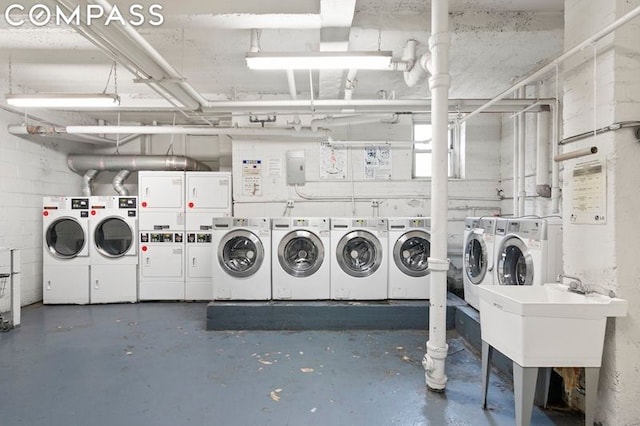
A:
(297, 124)
(555, 167)
(514, 162)
(522, 129)
(542, 161)
(434, 360)
(350, 84)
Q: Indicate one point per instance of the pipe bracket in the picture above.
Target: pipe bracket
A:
(438, 264)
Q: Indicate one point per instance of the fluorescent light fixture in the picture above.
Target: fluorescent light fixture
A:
(378, 60)
(63, 100)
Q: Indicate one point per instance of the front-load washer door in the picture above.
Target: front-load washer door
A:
(240, 253)
(359, 253)
(113, 237)
(300, 253)
(411, 253)
(475, 259)
(65, 238)
(515, 265)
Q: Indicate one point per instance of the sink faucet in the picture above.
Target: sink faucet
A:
(576, 286)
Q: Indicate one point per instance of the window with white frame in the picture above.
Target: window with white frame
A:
(422, 138)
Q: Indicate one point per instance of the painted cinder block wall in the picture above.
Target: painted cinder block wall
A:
(606, 254)
(29, 170)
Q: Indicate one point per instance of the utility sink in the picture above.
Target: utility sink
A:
(547, 325)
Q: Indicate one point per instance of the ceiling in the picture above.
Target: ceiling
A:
(494, 42)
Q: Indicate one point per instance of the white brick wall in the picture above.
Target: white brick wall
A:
(28, 171)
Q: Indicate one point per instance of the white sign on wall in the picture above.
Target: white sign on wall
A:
(252, 177)
(377, 162)
(333, 163)
(589, 196)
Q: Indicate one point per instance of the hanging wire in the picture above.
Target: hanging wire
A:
(10, 75)
(170, 149)
(118, 138)
(379, 39)
(109, 78)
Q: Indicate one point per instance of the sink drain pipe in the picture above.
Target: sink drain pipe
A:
(439, 83)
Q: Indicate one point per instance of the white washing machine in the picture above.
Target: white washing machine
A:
(359, 265)
(409, 249)
(529, 251)
(241, 267)
(300, 265)
(113, 227)
(478, 256)
(65, 257)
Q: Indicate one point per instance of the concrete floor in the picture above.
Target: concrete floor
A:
(155, 364)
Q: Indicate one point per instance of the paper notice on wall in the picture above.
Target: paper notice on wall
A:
(274, 166)
(333, 163)
(377, 162)
(589, 196)
(252, 177)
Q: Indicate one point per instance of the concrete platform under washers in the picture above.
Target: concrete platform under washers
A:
(325, 315)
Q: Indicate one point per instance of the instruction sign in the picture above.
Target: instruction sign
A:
(252, 178)
(377, 162)
(589, 196)
(333, 163)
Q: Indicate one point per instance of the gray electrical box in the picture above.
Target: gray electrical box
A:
(295, 168)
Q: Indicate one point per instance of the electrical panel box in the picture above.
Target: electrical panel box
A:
(295, 168)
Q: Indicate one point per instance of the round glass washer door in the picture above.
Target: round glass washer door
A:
(301, 253)
(65, 238)
(359, 253)
(113, 237)
(240, 253)
(475, 259)
(411, 253)
(515, 265)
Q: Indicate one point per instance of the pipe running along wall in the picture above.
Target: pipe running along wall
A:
(81, 163)
(439, 82)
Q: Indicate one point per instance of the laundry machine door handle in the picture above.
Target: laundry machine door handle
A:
(193, 262)
(48, 284)
(97, 286)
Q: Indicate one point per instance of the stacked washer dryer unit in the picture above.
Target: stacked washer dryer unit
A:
(65, 250)
(529, 251)
(207, 196)
(113, 227)
(478, 256)
(409, 247)
(241, 258)
(359, 266)
(300, 266)
(161, 224)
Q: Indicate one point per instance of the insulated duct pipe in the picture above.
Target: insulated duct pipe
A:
(439, 83)
(118, 182)
(87, 181)
(56, 131)
(514, 163)
(542, 162)
(79, 163)
(555, 167)
(351, 119)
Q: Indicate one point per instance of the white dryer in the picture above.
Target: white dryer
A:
(359, 266)
(409, 247)
(478, 256)
(529, 251)
(300, 265)
(65, 257)
(114, 255)
(241, 267)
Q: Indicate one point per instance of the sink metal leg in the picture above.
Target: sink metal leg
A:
(524, 388)
(591, 378)
(542, 388)
(487, 351)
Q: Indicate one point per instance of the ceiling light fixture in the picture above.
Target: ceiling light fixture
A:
(63, 100)
(377, 60)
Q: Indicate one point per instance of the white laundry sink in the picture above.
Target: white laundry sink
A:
(546, 326)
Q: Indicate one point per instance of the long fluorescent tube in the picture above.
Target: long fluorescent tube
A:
(63, 100)
(378, 60)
